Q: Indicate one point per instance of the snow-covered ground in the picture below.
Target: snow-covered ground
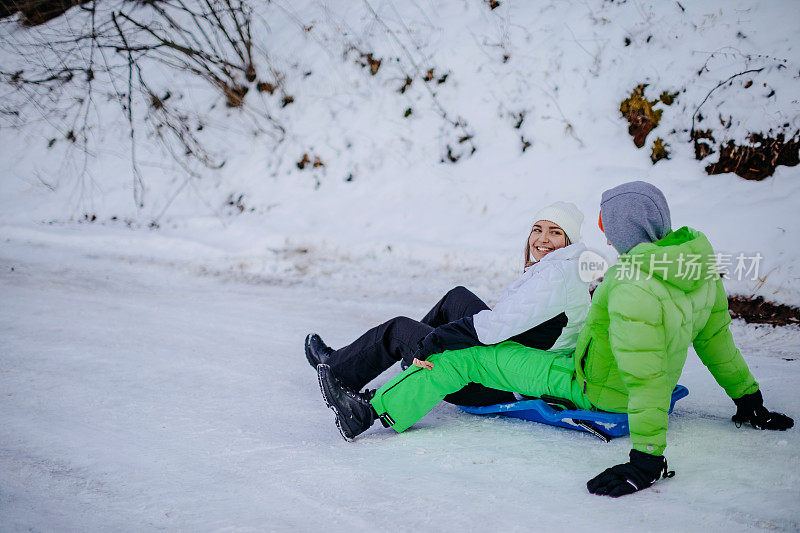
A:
(154, 378)
(141, 393)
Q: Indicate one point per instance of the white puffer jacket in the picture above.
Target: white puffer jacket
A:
(545, 290)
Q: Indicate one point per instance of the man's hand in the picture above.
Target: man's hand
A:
(639, 473)
(750, 408)
(423, 364)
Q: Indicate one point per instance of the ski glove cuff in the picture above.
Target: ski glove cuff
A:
(750, 408)
(639, 473)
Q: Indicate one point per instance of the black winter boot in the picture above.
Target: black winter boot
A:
(354, 413)
(317, 352)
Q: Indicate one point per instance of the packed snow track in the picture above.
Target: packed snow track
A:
(141, 396)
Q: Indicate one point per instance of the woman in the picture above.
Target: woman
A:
(544, 308)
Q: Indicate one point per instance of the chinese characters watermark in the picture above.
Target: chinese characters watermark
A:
(691, 267)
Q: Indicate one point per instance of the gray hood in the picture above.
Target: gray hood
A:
(633, 213)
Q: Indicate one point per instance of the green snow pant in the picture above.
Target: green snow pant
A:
(506, 366)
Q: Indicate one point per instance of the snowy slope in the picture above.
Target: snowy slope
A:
(565, 65)
(140, 397)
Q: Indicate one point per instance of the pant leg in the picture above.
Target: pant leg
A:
(363, 360)
(506, 366)
(460, 302)
(457, 303)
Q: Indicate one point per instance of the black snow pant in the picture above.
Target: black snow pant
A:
(381, 347)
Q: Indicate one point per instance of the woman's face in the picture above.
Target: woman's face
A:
(544, 238)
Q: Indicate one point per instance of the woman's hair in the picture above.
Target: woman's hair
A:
(527, 253)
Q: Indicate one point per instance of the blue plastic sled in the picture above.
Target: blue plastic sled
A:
(555, 412)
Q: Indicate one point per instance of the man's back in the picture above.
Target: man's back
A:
(658, 300)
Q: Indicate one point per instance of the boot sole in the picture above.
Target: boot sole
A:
(309, 356)
(313, 359)
(330, 404)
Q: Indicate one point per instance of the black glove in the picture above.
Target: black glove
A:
(642, 471)
(750, 408)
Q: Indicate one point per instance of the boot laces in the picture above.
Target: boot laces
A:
(361, 397)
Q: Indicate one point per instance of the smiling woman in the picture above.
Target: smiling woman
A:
(546, 235)
(544, 238)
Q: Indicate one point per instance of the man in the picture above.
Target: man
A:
(662, 296)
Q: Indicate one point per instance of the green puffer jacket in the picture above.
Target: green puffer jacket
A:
(660, 298)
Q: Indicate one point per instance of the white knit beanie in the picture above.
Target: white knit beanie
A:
(565, 214)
